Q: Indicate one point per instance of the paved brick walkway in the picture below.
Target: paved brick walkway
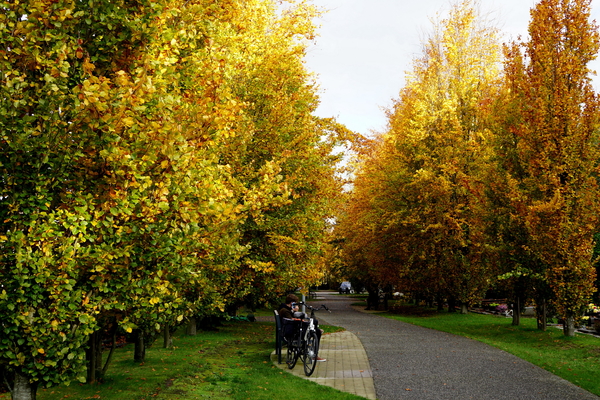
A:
(346, 369)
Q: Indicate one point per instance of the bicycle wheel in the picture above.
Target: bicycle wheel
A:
(311, 349)
(292, 354)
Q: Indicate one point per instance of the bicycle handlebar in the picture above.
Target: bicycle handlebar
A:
(322, 306)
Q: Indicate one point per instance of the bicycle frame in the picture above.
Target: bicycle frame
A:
(310, 327)
(305, 342)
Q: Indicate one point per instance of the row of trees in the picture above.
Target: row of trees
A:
(159, 162)
(488, 173)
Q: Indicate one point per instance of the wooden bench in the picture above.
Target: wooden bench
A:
(278, 335)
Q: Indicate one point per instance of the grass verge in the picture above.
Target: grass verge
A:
(231, 363)
(575, 359)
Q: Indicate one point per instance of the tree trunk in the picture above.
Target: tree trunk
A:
(545, 316)
(541, 314)
(90, 354)
(464, 308)
(232, 310)
(451, 305)
(373, 298)
(516, 318)
(440, 303)
(23, 389)
(139, 352)
(94, 357)
(191, 329)
(569, 329)
(110, 353)
(167, 339)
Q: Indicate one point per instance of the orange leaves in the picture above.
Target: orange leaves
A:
(551, 118)
(418, 200)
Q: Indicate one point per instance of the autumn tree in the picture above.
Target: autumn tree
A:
(47, 309)
(428, 185)
(284, 233)
(373, 249)
(101, 155)
(553, 137)
(123, 189)
(521, 272)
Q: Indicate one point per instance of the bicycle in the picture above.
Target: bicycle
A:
(304, 343)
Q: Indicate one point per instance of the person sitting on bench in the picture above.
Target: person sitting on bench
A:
(287, 310)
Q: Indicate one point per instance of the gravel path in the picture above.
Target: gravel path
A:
(408, 361)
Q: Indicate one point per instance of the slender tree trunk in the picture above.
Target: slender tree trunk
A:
(464, 308)
(541, 314)
(94, 357)
(167, 339)
(569, 329)
(440, 303)
(139, 352)
(451, 305)
(23, 389)
(191, 329)
(110, 353)
(545, 316)
(232, 310)
(91, 359)
(373, 298)
(516, 318)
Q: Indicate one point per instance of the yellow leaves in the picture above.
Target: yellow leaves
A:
(41, 351)
(94, 91)
(128, 121)
(164, 202)
(415, 205)
(433, 227)
(263, 267)
(122, 78)
(549, 206)
(154, 300)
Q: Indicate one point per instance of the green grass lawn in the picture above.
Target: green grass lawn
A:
(575, 359)
(231, 363)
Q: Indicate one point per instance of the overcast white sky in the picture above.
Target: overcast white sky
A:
(366, 46)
